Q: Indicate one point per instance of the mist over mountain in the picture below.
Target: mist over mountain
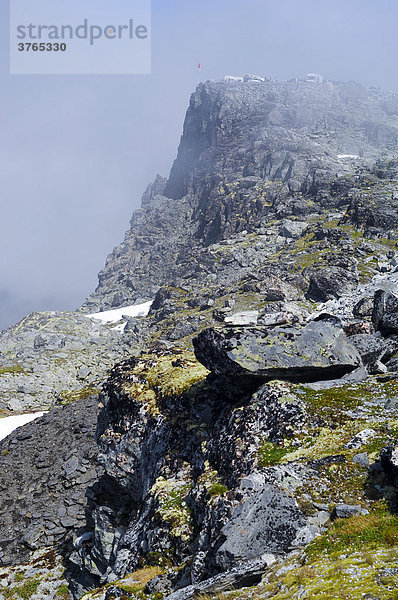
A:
(78, 152)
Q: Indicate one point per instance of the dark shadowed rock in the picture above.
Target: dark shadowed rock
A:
(329, 283)
(389, 461)
(117, 593)
(317, 351)
(392, 364)
(385, 312)
(372, 348)
(363, 308)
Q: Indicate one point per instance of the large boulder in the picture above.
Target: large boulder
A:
(320, 350)
(385, 312)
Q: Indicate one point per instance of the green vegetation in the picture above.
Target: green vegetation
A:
(210, 480)
(332, 405)
(134, 583)
(67, 397)
(63, 592)
(154, 378)
(172, 506)
(354, 575)
(13, 370)
(25, 591)
(270, 454)
(364, 532)
(217, 489)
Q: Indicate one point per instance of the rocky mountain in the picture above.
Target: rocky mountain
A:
(247, 427)
(251, 157)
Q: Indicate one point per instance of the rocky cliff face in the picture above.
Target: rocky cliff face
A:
(247, 434)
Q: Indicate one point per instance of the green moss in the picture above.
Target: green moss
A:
(157, 377)
(332, 405)
(67, 397)
(63, 592)
(172, 506)
(210, 480)
(270, 454)
(321, 443)
(24, 591)
(217, 489)
(366, 270)
(13, 370)
(309, 259)
(305, 242)
(337, 483)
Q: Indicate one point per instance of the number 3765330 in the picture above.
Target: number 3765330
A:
(42, 47)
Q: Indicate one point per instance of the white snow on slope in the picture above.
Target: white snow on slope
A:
(8, 424)
(113, 316)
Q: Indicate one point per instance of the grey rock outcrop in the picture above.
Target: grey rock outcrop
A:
(389, 461)
(374, 348)
(330, 282)
(149, 454)
(255, 525)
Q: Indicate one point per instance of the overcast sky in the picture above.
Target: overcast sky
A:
(77, 152)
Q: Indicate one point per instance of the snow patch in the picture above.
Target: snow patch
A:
(116, 315)
(9, 424)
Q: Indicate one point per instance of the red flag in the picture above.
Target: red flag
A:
(199, 66)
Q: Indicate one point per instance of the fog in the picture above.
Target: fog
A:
(77, 152)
